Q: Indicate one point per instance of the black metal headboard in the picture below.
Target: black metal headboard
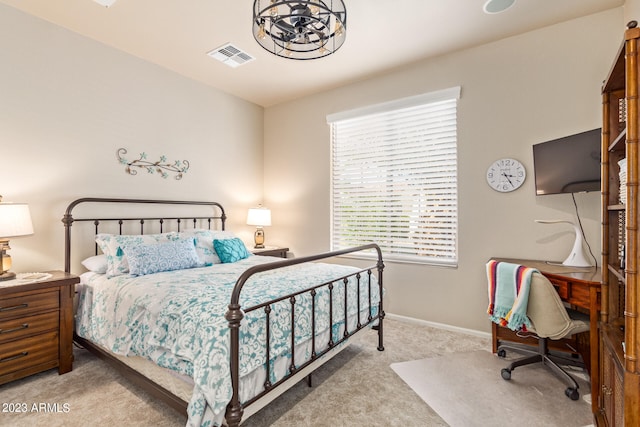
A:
(160, 220)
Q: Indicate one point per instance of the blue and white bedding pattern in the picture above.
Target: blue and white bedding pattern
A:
(176, 319)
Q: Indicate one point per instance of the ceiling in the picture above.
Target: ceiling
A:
(381, 35)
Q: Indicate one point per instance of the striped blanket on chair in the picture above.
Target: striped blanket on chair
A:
(509, 286)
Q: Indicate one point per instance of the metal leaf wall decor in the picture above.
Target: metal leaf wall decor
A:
(161, 167)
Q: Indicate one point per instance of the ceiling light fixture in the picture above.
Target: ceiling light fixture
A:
(105, 3)
(300, 29)
(497, 6)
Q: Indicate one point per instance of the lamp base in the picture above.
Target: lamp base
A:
(7, 275)
(576, 259)
(258, 238)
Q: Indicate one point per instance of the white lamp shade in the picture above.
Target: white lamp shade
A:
(15, 220)
(259, 216)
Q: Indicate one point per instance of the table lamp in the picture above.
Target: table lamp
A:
(260, 217)
(576, 257)
(15, 221)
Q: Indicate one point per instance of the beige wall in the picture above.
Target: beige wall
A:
(515, 93)
(631, 11)
(68, 103)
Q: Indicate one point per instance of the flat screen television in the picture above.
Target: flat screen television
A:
(568, 165)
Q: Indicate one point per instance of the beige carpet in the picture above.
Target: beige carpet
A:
(356, 389)
(467, 390)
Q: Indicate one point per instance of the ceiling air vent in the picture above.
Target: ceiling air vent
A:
(231, 55)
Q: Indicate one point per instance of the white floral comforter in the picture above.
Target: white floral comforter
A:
(176, 319)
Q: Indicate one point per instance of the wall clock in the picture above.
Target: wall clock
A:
(506, 175)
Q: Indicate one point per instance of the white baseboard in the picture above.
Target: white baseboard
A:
(438, 325)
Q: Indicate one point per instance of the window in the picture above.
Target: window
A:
(394, 178)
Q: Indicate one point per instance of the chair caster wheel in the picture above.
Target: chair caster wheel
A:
(571, 393)
(506, 374)
(502, 353)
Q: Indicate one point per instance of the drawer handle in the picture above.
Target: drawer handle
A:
(17, 356)
(19, 328)
(14, 307)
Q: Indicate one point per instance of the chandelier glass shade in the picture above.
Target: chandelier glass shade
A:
(300, 29)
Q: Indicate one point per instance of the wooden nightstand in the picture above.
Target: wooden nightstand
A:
(271, 251)
(36, 326)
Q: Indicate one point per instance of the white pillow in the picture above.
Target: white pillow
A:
(97, 264)
(204, 243)
(113, 245)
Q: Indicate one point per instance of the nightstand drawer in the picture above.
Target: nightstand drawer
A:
(26, 304)
(36, 326)
(31, 325)
(20, 354)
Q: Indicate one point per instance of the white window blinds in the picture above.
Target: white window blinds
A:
(394, 178)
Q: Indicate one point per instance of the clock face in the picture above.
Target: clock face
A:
(506, 175)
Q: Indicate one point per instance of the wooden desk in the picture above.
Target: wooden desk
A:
(579, 287)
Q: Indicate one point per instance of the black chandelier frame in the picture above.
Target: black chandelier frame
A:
(300, 29)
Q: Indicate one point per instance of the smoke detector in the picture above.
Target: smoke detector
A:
(497, 6)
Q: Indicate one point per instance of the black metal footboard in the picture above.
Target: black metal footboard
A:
(236, 313)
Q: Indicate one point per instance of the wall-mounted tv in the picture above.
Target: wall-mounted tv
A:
(568, 165)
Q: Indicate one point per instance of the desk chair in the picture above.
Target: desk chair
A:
(550, 319)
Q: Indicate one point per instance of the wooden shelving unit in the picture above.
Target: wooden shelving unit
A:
(619, 395)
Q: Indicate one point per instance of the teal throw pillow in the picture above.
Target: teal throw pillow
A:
(230, 250)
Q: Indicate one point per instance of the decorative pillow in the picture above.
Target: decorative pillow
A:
(204, 243)
(97, 264)
(112, 245)
(230, 250)
(148, 258)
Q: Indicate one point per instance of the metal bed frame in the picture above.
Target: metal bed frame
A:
(235, 313)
